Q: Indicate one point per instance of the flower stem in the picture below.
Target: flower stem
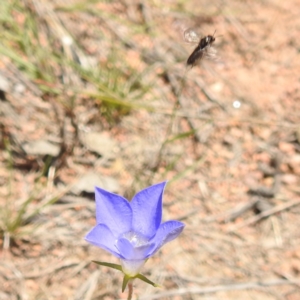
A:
(130, 290)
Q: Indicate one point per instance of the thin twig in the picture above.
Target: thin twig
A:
(219, 288)
(265, 214)
(232, 214)
(50, 270)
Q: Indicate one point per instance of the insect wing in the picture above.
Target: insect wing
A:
(190, 36)
(210, 53)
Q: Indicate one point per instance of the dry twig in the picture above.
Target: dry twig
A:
(265, 214)
(219, 288)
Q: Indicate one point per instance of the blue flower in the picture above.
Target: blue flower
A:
(132, 231)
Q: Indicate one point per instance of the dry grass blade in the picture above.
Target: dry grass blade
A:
(87, 289)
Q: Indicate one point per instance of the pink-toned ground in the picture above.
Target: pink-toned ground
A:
(233, 158)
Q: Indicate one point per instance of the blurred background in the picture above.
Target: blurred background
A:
(98, 93)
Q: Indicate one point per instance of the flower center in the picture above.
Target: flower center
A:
(136, 239)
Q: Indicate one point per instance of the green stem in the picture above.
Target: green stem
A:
(178, 93)
(130, 290)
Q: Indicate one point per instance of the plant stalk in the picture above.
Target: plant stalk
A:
(130, 290)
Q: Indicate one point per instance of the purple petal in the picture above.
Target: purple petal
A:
(113, 210)
(147, 210)
(129, 252)
(167, 232)
(102, 237)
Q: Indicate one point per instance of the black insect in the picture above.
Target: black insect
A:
(204, 48)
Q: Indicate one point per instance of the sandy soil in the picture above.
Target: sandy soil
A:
(233, 179)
